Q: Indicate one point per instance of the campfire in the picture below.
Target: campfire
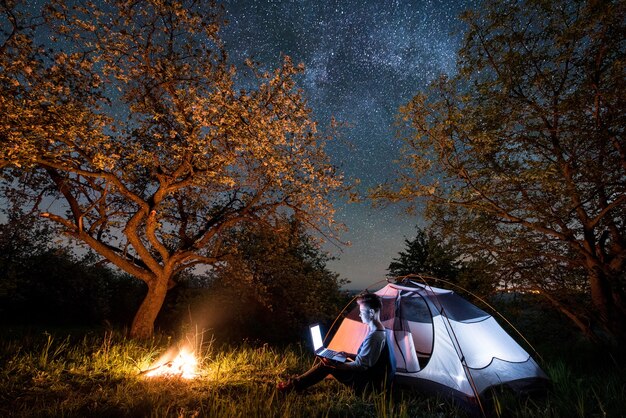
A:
(183, 364)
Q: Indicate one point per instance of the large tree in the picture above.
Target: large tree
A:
(521, 155)
(124, 123)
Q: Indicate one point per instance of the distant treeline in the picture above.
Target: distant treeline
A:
(43, 283)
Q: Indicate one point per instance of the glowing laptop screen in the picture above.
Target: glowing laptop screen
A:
(316, 335)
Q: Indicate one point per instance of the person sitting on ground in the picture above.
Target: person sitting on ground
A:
(354, 372)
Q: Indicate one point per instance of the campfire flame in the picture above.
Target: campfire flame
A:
(184, 365)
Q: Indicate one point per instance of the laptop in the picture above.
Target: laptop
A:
(318, 346)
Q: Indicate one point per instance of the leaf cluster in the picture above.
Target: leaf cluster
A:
(129, 116)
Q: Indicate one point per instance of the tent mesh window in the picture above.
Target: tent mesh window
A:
(414, 308)
(458, 309)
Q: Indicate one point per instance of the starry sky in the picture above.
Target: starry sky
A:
(363, 59)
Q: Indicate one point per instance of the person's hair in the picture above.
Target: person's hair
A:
(370, 300)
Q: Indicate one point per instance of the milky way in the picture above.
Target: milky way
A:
(363, 60)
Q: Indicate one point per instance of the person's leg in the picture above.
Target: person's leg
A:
(315, 374)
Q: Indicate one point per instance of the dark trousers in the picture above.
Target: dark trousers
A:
(354, 378)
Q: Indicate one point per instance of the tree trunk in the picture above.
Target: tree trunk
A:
(576, 318)
(604, 301)
(143, 323)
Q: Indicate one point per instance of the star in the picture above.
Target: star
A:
(363, 59)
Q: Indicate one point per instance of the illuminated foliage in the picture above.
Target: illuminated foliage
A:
(522, 155)
(129, 129)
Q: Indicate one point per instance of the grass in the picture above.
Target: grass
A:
(98, 374)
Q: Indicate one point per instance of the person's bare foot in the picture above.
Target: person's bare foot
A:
(286, 386)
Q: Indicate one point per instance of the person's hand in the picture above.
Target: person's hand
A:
(327, 362)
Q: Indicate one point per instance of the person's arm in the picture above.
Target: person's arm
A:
(368, 353)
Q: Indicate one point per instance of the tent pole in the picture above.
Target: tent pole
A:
(458, 349)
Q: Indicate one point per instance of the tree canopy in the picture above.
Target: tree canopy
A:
(125, 124)
(521, 155)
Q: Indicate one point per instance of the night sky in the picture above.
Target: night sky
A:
(363, 58)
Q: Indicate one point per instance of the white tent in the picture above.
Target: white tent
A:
(442, 342)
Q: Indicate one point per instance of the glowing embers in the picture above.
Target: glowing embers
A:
(183, 365)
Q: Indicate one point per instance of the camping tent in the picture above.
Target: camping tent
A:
(442, 342)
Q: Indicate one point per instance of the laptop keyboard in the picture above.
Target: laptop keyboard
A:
(327, 353)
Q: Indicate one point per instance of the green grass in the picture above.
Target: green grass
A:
(100, 375)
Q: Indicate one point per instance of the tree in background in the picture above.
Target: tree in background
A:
(430, 255)
(521, 156)
(129, 129)
(21, 239)
(44, 283)
(270, 290)
(426, 254)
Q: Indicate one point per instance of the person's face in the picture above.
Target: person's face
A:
(366, 314)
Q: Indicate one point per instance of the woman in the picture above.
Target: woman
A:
(357, 372)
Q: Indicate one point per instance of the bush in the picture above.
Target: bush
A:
(275, 284)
